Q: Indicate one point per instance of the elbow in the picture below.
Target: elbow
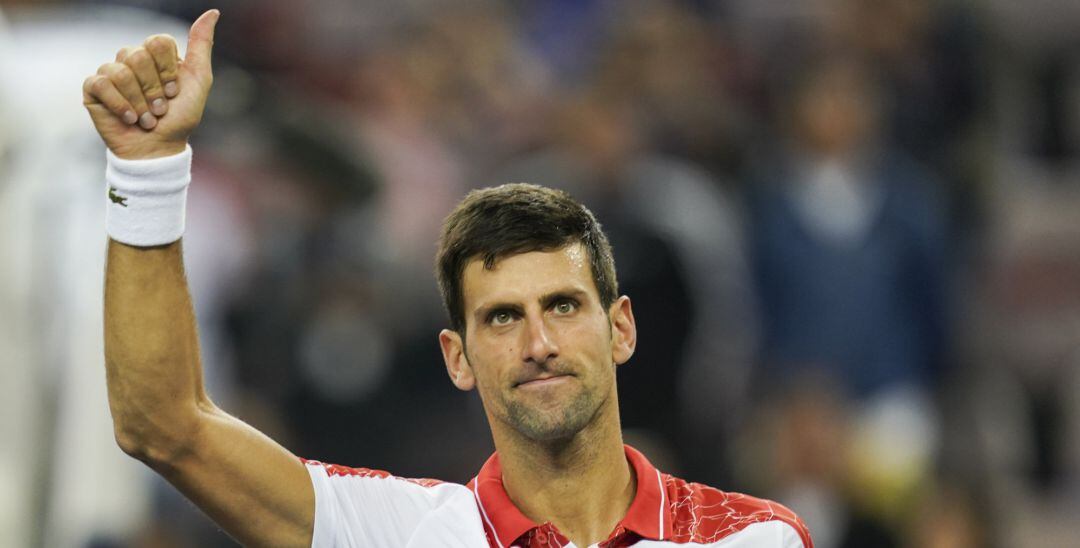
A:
(137, 446)
(155, 446)
(130, 443)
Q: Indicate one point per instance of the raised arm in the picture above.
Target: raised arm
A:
(145, 105)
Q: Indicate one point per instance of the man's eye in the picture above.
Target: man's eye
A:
(564, 307)
(501, 318)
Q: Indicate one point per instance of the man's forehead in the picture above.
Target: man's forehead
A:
(573, 254)
(528, 272)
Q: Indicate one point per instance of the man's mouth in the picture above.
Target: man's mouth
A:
(541, 381)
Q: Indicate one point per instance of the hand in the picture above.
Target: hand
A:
(147, 102)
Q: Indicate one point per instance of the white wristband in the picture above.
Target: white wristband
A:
(146, 199)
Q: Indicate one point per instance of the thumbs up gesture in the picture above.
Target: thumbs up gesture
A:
(147, 102)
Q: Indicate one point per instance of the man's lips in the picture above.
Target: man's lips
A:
(544, 380)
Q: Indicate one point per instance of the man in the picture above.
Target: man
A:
(537, 327)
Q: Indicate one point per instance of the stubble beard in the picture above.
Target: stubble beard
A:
(540, 423)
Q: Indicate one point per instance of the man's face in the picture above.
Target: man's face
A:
(539, 345)
(837, 111)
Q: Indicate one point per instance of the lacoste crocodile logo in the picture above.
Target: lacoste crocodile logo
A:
(116, 198)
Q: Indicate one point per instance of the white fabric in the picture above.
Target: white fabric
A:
(756, 535)
(837, 202)
(374, 511)
(146, 199)
(363, 510)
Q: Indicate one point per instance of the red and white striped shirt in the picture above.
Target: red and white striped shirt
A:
(363, 507)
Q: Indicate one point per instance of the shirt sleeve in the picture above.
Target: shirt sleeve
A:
(778, 534)
(793, 538)
(363, 507)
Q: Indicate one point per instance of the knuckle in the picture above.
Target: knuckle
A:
(98, 84)
(161, 39)
(138, 56)
(121, 74)
(159, 44)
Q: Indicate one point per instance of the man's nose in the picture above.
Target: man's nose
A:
(539, 344)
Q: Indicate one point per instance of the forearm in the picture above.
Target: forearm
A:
(151, 351)
(254, 488)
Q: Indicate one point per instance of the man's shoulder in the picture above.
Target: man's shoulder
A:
(371, 507)
(704, 514)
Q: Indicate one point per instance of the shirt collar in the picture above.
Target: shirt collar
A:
(648, 515)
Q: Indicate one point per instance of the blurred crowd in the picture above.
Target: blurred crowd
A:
(848, 229)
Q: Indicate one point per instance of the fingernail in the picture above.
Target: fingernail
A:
(158, 107)
(130, 118)
(147, 121)
(170, 89)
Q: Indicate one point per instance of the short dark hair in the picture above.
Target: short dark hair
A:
(493, 223)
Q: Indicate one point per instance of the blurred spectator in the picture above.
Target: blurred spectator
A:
(946, 517)
(1038, 78)
(55, 421)
(678, 76)
(1023, 342)
(861, 474)
(929, 58)
(926, 54)
(849, 242)
(800, 447)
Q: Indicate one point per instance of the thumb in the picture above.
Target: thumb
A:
(201, 41)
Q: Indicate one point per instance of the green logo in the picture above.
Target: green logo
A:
(116, 198)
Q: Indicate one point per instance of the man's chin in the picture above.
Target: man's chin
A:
(551, 420)
(548, 433)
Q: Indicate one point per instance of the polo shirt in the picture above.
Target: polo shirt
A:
(364, 507)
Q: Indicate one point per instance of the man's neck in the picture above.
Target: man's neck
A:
(584, 485)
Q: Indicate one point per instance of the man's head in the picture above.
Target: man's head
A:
(493, 223)
(833, 105)
(529, 283)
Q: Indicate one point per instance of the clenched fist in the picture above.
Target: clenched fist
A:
(147, 102)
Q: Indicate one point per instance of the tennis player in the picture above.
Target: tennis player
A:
(537, 327)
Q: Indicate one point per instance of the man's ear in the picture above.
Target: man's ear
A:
(457, 365)
(623, 330)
